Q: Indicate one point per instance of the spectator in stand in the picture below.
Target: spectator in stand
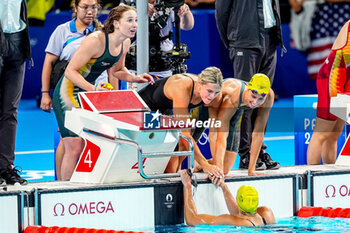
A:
(327, 20)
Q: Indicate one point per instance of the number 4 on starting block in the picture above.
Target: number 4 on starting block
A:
(89, 157)
(136, 165)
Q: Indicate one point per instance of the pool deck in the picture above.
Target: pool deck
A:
(160, 201)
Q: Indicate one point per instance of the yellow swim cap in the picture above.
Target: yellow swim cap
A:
(247, 199)
(260, 83)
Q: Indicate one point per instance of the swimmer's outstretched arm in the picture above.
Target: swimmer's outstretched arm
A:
(226, 112)
(231, 203)
(199, 158)
(179, 93)
(193, 218)
(124, 74)
(119, 70)
(259, 131)
(213, 110)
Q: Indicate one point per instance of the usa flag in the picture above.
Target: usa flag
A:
(326, 23)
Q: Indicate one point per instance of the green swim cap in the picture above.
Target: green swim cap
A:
(247, 199)
(260, 83)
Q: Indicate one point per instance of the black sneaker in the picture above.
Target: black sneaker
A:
(2, 182)
(244, 163)
(11, 176)
(270, 164)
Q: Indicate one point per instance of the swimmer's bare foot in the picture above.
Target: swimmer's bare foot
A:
(185, 178)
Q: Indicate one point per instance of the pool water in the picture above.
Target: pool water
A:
(292, 224)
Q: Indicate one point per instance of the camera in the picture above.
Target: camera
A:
(164, 6)
(160, 60)
(172, 3)
(129, 2)
(159, 20)
(178, 56)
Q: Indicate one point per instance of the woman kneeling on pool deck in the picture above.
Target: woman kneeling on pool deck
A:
(243, 212)
(179, 93)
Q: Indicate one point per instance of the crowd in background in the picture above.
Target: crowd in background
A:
(314, 24)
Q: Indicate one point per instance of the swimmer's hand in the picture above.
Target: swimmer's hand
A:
(100, 87)
(107, 86)
(213, 170)
(218, 181)
(142, 78)
(46, 102)
(185, 178)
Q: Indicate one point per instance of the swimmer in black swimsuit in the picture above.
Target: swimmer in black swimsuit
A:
(243, 211)
(264, 221)
(178, 94)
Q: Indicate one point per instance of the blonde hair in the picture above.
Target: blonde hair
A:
(211, 74)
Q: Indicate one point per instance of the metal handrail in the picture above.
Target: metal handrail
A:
(141, 155)
(189, 153)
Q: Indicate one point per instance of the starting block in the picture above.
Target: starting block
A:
(340, 107)
(120, 145)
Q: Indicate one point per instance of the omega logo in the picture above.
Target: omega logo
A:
(331, 191)
(58, 208)
(100, 207)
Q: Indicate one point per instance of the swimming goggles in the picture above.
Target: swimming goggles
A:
(255, 92)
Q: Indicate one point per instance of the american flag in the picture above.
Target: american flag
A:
(326, 23)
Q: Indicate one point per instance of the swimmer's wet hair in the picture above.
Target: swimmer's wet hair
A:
(115, 14)
(211, 74)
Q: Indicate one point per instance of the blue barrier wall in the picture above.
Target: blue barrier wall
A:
(206, 50)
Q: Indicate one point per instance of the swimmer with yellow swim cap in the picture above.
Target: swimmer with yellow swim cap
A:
(238, 96)
(247, 199)
(259, 84)
(244, 212)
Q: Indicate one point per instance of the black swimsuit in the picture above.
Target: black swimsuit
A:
(264, 221)
(234, 130)
(155, 98)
